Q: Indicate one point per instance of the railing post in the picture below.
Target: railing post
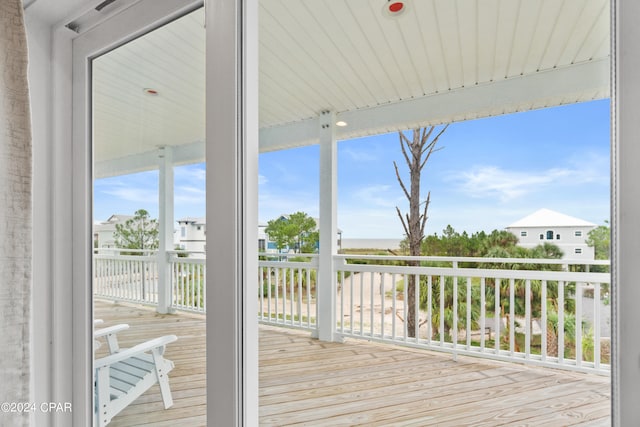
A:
(326, 287)
(165, 235)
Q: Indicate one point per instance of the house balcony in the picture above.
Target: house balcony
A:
(523, 317)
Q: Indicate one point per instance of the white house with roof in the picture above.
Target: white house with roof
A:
(547, 226)
(192, 234)
(104, 232)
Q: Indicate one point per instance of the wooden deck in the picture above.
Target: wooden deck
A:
(306, 382)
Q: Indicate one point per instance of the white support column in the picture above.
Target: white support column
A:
(625, 227)
(165, 220)
(328, 227)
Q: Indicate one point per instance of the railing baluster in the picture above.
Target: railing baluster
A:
(277, 302)
(382, 305)
(512, 317)
(351, 301)
(371, 292)
(596, 325)
(429, 308)
(468, 320)
(405, 312)
(269, 285)
(441, 320)
(299, 308)
(341, 302)
(309, 298)
(361, 304)
(261, 291)
(578, 337)
(560, 322)
(543, 322)
(482, 313)
(393, 306)
(416, 308)
(454, 336)
(527, 319)
(497, 316)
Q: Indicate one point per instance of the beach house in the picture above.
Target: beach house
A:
(546, 226)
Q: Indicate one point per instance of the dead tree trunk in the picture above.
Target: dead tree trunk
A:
(416, 152)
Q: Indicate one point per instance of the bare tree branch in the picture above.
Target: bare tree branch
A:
(424, 215)
(406, 193)
(406, 229)
(403, 141)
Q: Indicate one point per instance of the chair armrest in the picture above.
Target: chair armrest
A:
(110, 330)
(133, 351)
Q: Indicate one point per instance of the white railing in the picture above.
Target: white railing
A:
(287, 290)
(126, 277)
(506, 309)
(188, 278)
(494, 313)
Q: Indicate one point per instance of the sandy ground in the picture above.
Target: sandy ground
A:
(366, 299)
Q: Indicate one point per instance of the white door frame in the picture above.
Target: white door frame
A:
(232, 349)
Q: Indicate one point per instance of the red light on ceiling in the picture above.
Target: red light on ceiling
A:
(149, 91)
(396, 7)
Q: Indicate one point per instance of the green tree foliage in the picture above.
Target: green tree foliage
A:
(480, 244)
(139, 232)
(600, 240)
(295, 231)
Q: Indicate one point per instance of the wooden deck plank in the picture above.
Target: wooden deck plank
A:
(307, 382)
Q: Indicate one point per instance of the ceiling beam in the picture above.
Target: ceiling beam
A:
(182, 155)
(576, 83)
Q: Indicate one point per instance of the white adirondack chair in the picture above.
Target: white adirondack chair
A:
(121, 377)
(109, 334)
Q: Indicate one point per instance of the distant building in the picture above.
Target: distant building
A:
(547, 226)
(104, 232)
(192, 234)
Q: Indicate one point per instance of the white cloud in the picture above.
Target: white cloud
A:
(190, 195)
(377, 195)
(132, 194)
(262, 180)
(357, 155)
(190, 174)
(507, 185)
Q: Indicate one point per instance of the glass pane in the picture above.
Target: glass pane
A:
(149, 226)
(496, 247)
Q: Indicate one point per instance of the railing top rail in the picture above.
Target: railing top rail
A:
(180, 251)
(475, 259)
(139, 257)
(286, 255)
(186, 260)
(566, 276)
(284, 264)
(118, 250)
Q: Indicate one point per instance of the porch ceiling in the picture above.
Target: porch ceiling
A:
(440, 61)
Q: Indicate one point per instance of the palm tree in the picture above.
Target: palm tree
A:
(447, 321)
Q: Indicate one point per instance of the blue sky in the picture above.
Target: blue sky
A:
(489, 173)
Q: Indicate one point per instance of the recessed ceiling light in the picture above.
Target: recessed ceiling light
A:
(150, 91)
(394, 8)
(341, 123)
